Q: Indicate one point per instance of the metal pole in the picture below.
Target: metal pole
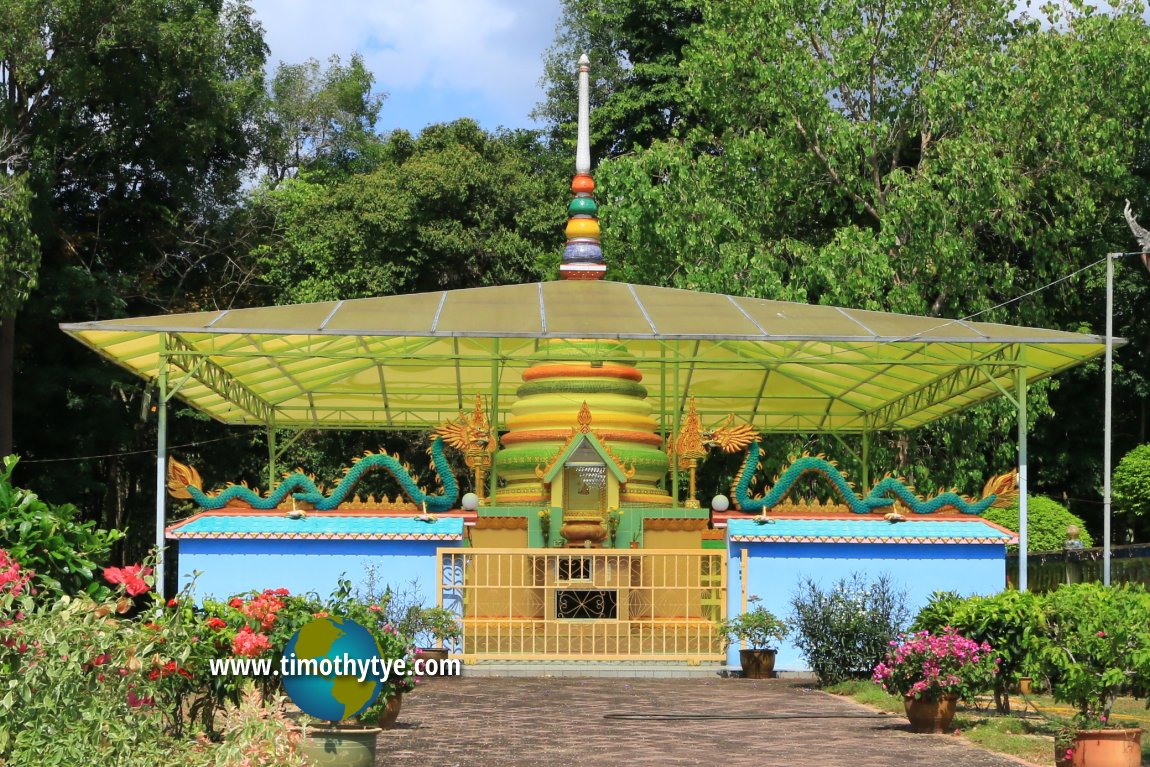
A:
(1020, 388)
(675, 434)
(496, 374)
(161, 463)
(271, 456)
(1106, 427)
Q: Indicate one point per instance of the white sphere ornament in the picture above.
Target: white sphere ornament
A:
(720, 503)
(470, 501)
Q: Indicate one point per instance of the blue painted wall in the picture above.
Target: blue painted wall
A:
(774, 571)
(230, 567)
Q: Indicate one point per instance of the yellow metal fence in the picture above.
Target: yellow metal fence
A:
(570, 604)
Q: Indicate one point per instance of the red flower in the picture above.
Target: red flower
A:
(138, 701)
(131, 576)
(236, 602)
(216, 623)
(173, 602)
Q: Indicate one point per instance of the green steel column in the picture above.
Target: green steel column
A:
(495, 370)
(675, 436)
(271, 455)
(161, 461)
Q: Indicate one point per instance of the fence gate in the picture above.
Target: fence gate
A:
(563, 604)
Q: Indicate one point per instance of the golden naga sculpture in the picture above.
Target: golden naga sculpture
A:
(694, 442)
(471, 434)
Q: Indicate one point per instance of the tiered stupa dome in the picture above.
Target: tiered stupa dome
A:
(599, 375)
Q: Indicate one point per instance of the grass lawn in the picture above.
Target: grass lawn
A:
(1025, 734)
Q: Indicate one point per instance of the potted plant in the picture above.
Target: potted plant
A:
(614, 519)
(1096, 646)
(438, 631)
(762, 631)
(930, 672)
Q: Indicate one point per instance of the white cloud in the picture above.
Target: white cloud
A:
(481, 54)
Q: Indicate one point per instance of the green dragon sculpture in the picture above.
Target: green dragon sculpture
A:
(999, 491)
(184, 482)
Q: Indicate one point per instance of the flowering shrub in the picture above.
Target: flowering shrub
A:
(134, 578)
(932, 666)
(1095, 646)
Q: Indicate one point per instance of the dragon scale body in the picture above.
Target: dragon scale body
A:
(303, 488)
(882, 495)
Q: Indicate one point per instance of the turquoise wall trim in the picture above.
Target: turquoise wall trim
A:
(774, 570)
(228, 567)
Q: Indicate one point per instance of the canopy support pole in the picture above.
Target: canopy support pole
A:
(161, 462)
(1022, 499)
(675, 434)
(271, 455)
(494, 473)
(1107, 416)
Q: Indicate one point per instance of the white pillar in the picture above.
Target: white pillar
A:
(161, 466)
(1106, 427)
(1020, 389)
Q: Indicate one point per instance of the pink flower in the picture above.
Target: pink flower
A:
(139, 701)
(132, 577)
(1101, 633)
(250, 644)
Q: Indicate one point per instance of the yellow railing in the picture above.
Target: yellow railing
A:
(593, 604)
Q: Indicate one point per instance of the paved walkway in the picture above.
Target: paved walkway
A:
(570, 722)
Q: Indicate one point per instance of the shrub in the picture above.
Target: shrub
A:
(50, 540)
(844, 632)
(1096, 646)
(929, 666)
(1009, 621)
(1130, 484)
(1047, 521)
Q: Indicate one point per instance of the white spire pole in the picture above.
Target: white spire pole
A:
(583, 148)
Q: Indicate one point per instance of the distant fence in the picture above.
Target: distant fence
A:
(1047, 570)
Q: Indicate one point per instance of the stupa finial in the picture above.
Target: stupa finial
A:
(583, 257)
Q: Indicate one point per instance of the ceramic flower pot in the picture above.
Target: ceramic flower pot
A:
(1114, 747)
(932, 716)
(757, 664)
(342, 745)
(439, 655)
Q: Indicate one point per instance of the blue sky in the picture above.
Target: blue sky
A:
(437, 60)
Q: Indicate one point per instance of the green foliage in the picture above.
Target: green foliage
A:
(637, 93)
(1096, 647)
(1010, 622)
(319, 120)
(845, 630)
(455, 207)
(1130, 483)
(928, 666)
(51, 540)
(1046, 525)
(758, 627)
(18, 241)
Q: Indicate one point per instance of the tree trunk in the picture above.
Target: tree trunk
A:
(7, 379)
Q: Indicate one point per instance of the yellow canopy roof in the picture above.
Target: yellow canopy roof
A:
(411, 361)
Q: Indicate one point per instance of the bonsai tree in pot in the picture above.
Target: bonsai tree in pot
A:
(438, 632)
(1095, 647)
(762, 631)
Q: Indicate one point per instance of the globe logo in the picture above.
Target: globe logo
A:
(330, 668)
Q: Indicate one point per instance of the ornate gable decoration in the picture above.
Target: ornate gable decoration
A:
(580, 435)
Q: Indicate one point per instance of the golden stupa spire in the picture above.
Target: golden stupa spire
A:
(583, 257)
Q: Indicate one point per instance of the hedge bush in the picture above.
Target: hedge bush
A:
(1047, 521)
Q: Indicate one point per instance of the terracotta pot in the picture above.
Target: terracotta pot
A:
(757, 664)
(391, 711)
(1103, 748)
(634, 544)
(1024, 685)
(930, 715)
(438, 654)
(345, 746)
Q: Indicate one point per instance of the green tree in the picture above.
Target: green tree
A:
(1130, 486)
(635, 48)
(933, 159)
(455, 207)
(136, 124)
(319, 118)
